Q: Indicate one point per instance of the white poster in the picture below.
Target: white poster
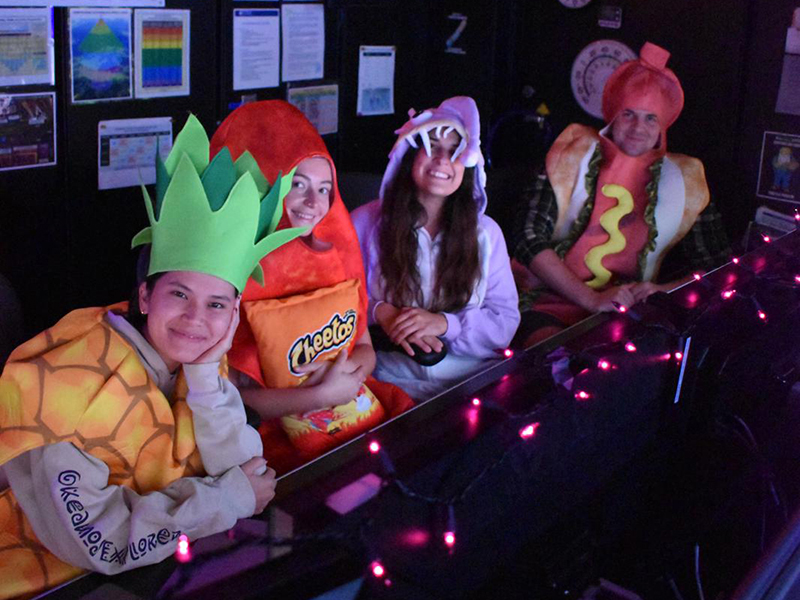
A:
(26, 47)
(376, 80)
(161, 59)
(303, 29)
(320, 105)
(256, 48)
(126, 150)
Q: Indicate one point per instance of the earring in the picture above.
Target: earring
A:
(144, 312)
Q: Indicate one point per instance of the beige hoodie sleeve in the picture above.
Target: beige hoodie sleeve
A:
(88, 523)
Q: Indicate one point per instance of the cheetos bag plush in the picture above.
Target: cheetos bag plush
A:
(298, 330)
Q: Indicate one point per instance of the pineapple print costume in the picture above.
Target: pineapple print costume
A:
(81, 382)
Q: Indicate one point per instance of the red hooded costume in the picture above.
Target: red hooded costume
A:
(279, 137)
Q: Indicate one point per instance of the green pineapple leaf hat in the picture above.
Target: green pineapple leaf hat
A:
(216, 217)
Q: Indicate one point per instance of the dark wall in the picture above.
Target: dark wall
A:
(64, 244)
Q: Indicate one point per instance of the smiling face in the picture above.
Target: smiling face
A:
(636, 131)
(437, 176)
(310, 197)
(187, 313)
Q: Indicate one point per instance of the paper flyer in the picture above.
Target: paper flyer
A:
(100, 50)
(26, 47)
(256, 48)
(126, 150)
(778, 176)
(162, 53)
(376, 80)
(303, 34)
(320, 105)
(27, 130)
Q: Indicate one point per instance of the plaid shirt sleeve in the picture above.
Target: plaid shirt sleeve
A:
(706, 245)
(536, 220)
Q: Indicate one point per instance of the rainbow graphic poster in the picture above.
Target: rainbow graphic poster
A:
(162, 53)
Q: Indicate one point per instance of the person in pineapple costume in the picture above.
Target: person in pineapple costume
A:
(610, 205)
(117, 439)
(312, 280)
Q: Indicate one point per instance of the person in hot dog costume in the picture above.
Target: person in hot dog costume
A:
(610, 205)
(314, 306)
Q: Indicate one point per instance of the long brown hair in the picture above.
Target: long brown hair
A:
(457, 266)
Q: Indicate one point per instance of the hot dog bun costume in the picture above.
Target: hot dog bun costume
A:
(619, 215)
(314, 304)
(93, 385)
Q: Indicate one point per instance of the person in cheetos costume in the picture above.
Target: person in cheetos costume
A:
(610, 205)
(119, 431)
(314, 307)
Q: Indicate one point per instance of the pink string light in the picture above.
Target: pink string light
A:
(604, 365)
(476, 402)
(183, 553)
(582, 395)
(528, 431)
(508, 353)
(728, 294)
(374, 447)
(377, 569)
(449, 539)
(630, 347)
(679, 356)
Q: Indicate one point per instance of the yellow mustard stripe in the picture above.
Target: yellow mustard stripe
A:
(616, 241)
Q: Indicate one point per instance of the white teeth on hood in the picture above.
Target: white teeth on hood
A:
(411, 142)
(439, 131)
(461, 147)
(426, 141)
(448, 130)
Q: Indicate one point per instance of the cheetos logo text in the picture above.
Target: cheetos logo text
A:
(335, 334)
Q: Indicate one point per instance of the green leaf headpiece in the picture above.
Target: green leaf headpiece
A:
(216, 217)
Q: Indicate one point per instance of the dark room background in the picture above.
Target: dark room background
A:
(64, 244)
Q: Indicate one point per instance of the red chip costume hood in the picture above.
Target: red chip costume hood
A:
(279, 137)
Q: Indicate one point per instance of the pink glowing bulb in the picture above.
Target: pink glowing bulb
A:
(374, 447)
(622, 308)
(183, 553)
(630, 347)
(697, 276)
(796, 216)
(377, 569)
(667, 356)
(582, 395)
(476, 402)
(728, 294)
(679, 356)
(604, 365)
(449, 539)
(762, 315)
(766, 238)
(797, 278)
(508, 353)
(735, 260)
(528, 431)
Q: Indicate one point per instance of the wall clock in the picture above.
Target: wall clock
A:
(574, 3)
(592, 68)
